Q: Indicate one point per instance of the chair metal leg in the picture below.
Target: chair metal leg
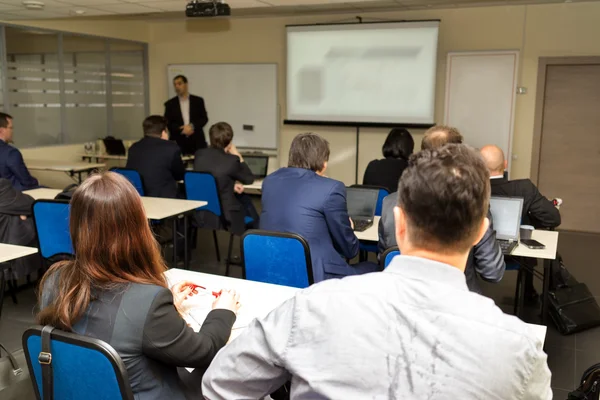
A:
(12, 289)
(229, 249)
(217, 246)
(519, 293)
(2, 289)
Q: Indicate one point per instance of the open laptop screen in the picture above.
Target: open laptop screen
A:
(506, 214)
(361, 202)
(258, 165)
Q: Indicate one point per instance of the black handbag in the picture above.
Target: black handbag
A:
(589, 389)
(573, 308)
(14, 376)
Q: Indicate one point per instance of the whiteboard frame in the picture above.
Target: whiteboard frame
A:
(278, 106)
(450, 56)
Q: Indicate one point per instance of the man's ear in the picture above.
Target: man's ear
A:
(399, 225)
(485, 224)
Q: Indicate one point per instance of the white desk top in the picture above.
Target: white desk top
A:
(10, 252)
(372, 233)
(113, 157)
(61, 166)
(159, 208)
(256, 186)
(43, 193)
(548, 238)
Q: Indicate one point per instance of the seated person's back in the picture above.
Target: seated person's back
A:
(398, 146)
(413, 331)
(537, 209)
(115, 291)
(299, 199)
(157, 159)
(226, 164)
(12, 166)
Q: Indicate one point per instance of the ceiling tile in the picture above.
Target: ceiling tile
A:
(29, 14)
(4, 6)
(88, 12)
(168, 5)
(127, 8)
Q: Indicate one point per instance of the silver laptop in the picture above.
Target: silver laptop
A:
(361, 206)
(506, 215)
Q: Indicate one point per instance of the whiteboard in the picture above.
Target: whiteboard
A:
(239, 94)
(480, 97)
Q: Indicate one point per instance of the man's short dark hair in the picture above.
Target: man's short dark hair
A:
(4, 120)
(445, 195)
(309, 151)
(154, 125)
(220, 134)
(182, 77)
(398, 144)
(440, 135)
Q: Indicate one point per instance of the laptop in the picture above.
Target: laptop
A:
(506, 214)
(258, 165)
(361, 206)
(114, 147)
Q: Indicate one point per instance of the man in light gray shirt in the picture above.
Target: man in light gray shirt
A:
(413, 331)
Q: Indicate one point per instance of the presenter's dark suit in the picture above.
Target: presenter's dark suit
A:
(142, 324)
(198, 118)
(159, 163)
(12, 167)
(227, 169)
(297, 200)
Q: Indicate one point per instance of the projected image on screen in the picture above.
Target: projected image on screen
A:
(362, 73)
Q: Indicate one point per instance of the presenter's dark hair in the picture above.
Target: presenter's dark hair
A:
(182, 77)
(220, 135)
(154, 125)
(4, 120)
(309, 151)
(398, 144)
(445, 195)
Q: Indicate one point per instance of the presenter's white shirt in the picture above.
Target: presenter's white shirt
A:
(184, 104)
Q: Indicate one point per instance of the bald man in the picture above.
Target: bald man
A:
(537, 210)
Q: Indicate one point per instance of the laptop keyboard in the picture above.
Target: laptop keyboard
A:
(362, 225)
(506, 246)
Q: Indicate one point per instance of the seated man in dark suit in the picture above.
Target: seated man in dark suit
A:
(485, 259)
(226, 164)
(537, 210)
(300, 199)
(12, 166)
(157, 159)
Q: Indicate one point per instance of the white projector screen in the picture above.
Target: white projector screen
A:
(362, 73)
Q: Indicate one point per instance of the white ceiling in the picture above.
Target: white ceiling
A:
(15, 10)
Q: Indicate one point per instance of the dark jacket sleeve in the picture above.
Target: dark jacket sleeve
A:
(338, 221)
(367, 178)
(542, 210)
(168, 338)
(12, 201)
(387, 231)
(243, 173)
(177, 167)
(172, 119)
(199, 116)
(17, 166)
(487, 256)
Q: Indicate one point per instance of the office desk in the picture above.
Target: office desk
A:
(100, 156)
(371, 234)
(550, 240)
(10, 252)
(70, 168)
(155, 208)
(254, 188)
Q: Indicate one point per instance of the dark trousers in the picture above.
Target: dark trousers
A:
(249, 210)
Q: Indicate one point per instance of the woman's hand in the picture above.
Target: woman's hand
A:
(227, 300)
(181, 291)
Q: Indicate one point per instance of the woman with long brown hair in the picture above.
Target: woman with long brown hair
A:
(115, 290)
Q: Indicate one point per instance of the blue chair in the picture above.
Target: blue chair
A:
(202, 186)
(82, 367)
(388, 255)
(51, 220)
(132, 176)
(277, 258)
(366, 248)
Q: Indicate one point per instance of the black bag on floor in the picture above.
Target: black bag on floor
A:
(67, 192)
(572, 307)
(589, 389)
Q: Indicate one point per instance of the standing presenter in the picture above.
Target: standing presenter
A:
(186, 116)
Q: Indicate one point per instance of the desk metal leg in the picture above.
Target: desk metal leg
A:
(546, 290)
(186, 261)
(175, 242)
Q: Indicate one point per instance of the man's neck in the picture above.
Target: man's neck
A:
(496, 175)
(184, 96)
(457, 261)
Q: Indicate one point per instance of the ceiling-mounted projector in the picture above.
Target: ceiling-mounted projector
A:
(207, 8)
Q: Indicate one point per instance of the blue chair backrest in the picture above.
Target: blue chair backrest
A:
(51, 219)
(383, 193)
(132, 176)
(83, 367)
(278, 258)
(388, 255)
(202, 186)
